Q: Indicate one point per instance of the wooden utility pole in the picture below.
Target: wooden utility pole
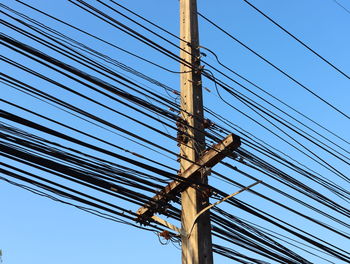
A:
(195, 160)
(197, 248)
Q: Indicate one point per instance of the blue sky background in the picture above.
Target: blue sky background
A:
(36, 230)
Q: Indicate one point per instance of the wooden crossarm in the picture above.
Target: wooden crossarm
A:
(209, 159)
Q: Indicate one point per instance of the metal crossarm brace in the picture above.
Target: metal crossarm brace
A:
(209, 159)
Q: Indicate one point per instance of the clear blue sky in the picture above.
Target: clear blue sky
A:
(36, 230)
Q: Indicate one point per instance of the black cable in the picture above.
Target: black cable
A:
(55, 100)
(98, 38)
(275, 67)
(88, 135)
(343, 7)
(330, 168)
(277, 99)
(297, 39)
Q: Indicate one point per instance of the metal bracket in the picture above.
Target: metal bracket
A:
(161, 221)
(219, 202)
